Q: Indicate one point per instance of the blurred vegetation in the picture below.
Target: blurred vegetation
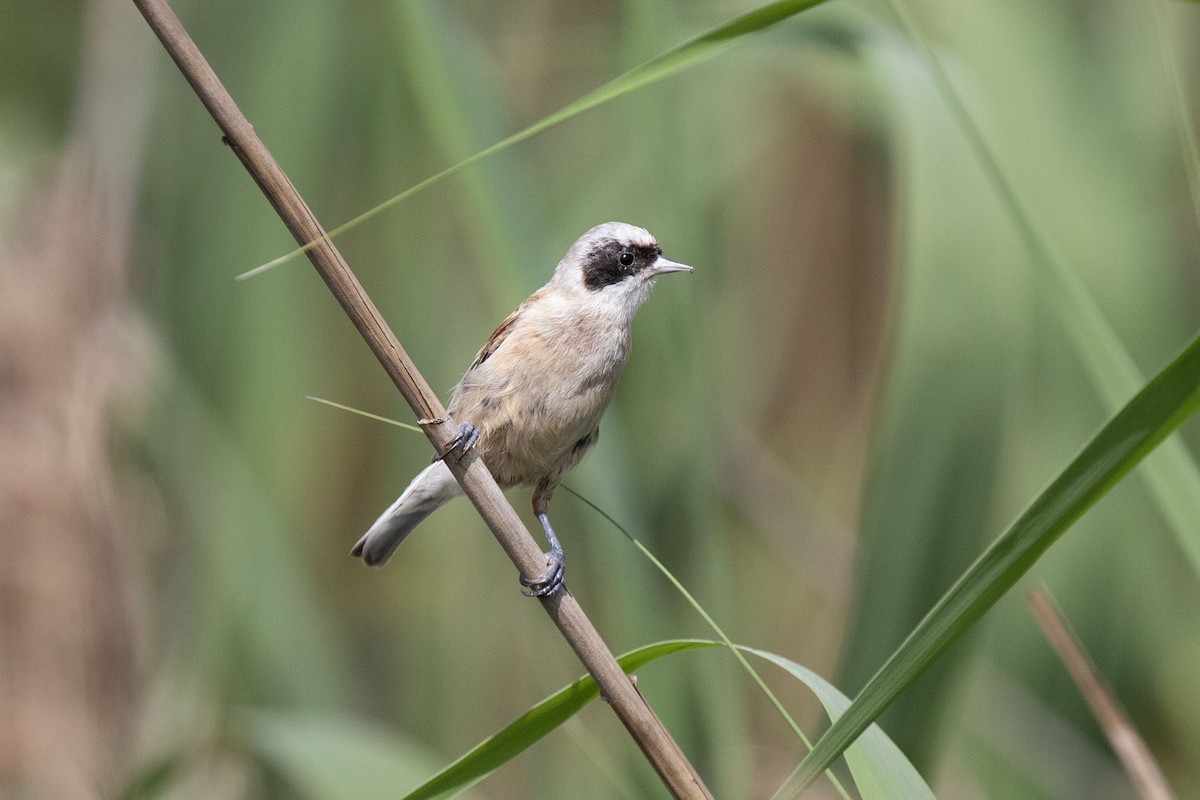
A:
(867, 377)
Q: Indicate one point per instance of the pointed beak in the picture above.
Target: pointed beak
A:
(662, 265)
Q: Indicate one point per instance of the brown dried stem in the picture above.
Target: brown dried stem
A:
(1126, 742)
(645, 727)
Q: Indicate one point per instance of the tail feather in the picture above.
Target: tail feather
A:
(431, 489)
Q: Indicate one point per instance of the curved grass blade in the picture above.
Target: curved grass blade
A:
(1158, 409)
(959, 342)
(1172, 475)
(879, 768)
(881, 771)
(500, 748)
(678, 58)
(536, 723)
(712, 623)
(695, 604)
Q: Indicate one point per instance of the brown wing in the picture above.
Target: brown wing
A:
(501, 333)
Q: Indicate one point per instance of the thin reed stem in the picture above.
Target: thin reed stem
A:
(639, 719)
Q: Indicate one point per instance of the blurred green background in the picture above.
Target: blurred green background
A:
(864, 380)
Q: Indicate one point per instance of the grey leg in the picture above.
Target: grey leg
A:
(549, 581)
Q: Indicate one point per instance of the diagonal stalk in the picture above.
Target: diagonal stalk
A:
(639, 719)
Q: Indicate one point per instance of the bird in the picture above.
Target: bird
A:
(531, 401)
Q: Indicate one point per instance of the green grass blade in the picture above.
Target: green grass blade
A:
(536, 723)
(959, 341)
(879, 768)
(366, 414)
(1172, 475)
(708, 618)
(1157, 410)
(881, 771)
(712, 623)
(678, 58)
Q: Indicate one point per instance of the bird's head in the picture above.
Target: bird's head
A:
(614, 263)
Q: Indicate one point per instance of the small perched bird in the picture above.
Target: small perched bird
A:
(532, 399)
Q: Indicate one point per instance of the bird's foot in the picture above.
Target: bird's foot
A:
(467, 435)
(551, 580)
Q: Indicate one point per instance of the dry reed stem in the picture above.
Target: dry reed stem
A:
(1125, 740)
(651, 736)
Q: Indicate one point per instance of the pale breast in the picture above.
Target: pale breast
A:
(538, 397)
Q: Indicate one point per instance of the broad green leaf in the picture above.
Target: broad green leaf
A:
(665, 64)
(966, 233)
(1157, 410)
(536, 723)
(880, 770)
(1170, 472)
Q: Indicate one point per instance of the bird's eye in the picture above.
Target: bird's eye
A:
(626, 259)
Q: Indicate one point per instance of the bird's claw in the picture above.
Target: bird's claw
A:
(549, 581)
(463, 441)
